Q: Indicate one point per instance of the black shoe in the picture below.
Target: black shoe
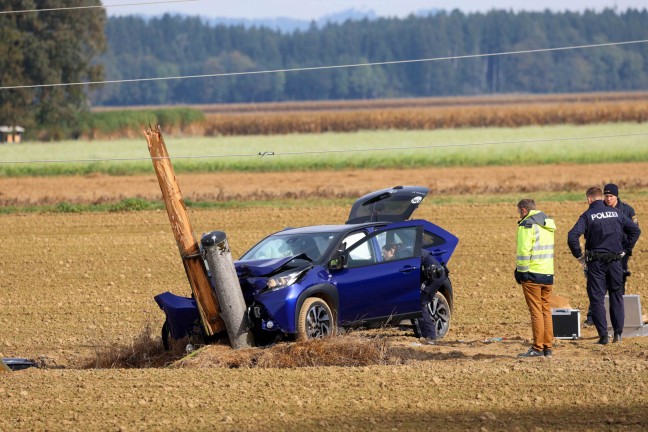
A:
(603, 340)
(617, 338)
(532, 353)
(588, 321)
(547, 352)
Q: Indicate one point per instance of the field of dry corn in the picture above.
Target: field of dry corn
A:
(410, 114)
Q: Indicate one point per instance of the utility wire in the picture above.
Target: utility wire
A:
(94, 6)
(315, 68)
(273, 153)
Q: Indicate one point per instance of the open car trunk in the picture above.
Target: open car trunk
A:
(387, 205)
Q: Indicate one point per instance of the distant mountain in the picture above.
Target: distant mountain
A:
(289, 25)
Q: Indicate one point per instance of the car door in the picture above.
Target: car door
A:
(439, 242)
(371, 288)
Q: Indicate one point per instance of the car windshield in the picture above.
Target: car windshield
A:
(291, 244)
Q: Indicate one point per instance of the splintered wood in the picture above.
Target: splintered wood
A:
(187, 244)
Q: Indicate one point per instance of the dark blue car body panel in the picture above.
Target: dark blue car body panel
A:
(181, 313)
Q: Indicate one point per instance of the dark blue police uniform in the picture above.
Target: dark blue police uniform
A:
(629, 212)
(432, 277)
(608, 234)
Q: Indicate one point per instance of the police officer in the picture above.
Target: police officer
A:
(605, 229)
(432, 277)
(611, 199)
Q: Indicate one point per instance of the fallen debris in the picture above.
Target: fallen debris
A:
(16, 363)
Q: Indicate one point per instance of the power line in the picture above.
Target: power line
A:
(95, 6)
(316, 68)
(274, 153)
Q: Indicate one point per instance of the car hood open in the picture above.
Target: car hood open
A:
(387, 205)
(264, 267)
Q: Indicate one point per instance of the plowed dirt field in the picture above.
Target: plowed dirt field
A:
(72, 285)
(229, 186)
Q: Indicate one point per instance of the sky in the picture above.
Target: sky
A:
(314, 9)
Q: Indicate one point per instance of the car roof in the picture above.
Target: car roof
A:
(325, 228)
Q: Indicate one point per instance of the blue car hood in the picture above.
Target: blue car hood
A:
(262, 267)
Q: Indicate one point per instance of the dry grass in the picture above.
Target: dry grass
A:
(145, 351)
(344, 350)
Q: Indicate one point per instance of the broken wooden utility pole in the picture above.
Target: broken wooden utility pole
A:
(217, 253)
(187, 244)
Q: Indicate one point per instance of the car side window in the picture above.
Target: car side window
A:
(352, 239)
(399, 243)
(361, 252)
(430, 239)
(362, 255)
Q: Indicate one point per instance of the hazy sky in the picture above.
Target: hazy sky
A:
(313, 9)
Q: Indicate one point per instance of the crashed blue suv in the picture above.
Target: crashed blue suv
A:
(307, 282)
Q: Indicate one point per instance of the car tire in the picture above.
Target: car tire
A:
(315, 320)
(439, 310)
(166, 332)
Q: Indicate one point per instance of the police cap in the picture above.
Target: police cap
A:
(611, 189)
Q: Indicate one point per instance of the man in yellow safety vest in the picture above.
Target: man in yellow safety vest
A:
(535, 271)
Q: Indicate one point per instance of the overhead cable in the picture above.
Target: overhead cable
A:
(374, 149)
(94, 6)
(316, 68)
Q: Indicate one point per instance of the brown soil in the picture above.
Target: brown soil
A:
(73, 285)
(228, 186)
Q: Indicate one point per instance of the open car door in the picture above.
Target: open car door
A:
(387, 205)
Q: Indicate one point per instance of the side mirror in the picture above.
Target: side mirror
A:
(337, 263)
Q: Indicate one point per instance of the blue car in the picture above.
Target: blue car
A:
(307, 282)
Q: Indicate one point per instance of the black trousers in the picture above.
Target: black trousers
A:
(426, 323)
(624, 263)
(606, 277)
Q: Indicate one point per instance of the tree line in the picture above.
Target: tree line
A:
(178, 45)
(68, 46)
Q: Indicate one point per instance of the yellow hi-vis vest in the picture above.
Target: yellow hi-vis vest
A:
(535, 244)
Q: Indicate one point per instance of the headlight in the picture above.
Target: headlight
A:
(283, 280)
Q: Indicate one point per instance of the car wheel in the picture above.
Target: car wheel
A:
(439, 310)
(166, 332)
(315, 319)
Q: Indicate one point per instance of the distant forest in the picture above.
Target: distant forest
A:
(177, 45)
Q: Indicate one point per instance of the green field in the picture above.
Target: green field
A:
(372, 149)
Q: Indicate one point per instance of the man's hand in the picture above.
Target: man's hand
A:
(582, 261)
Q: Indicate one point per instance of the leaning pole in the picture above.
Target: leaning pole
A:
(187, 245)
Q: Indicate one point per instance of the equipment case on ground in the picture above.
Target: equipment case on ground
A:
(566, 323)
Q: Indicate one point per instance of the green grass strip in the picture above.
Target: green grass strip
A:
(138, 204)
(361, 150)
